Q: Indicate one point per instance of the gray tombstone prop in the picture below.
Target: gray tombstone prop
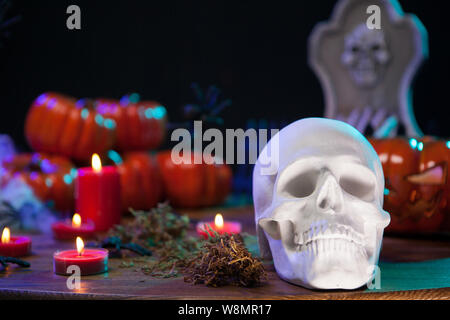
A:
(366, 73)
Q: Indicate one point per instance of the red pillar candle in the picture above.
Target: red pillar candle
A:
(218, 225)
(14, 246)
(97, 195)
(69, 230)
(90, 261)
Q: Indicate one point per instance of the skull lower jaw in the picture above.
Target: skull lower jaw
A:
(325, 264)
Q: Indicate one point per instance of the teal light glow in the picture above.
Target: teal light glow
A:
(159, 112)
(74, 173)
(84, 113)
(67, 178)
(115, 157)
(148, 113)
(134, 98)
(109, 123)
(413, 143)
(99, 119)
(386, 191)
(448, 144)
(420, 146)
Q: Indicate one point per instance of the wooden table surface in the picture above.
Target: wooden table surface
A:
(39, 281)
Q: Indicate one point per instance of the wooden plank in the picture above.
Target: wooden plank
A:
(39, 282)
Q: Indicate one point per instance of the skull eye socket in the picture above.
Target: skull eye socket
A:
(353, 184)
(376, 47)
(301, 186)
(355, 49)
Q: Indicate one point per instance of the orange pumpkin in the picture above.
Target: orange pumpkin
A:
(58, 124)
(194, 185)
(141, 181)
(50, 177)
(140, 126)
(417, 193)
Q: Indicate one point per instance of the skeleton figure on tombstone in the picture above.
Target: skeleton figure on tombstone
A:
(366, 73)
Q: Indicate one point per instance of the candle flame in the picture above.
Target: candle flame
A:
(80, 246)
(218, 220)
(96, 163)
(76, 220)
(6, 235)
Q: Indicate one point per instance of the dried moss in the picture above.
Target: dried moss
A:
(225, 261)
(153, 228)
(217, 261)
(165, 234)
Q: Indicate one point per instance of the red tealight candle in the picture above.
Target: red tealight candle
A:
(97, 194)
(69, 230)
(90, 261)
(219, 226)
(14, 246)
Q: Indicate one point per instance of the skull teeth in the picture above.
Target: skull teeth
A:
(318, 246)
(329, 232)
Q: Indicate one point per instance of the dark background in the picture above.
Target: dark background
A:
(254, 51)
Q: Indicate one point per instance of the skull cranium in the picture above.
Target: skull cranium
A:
(321, 212)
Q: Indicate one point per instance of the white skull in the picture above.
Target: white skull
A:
(365, 55)
(321, 211)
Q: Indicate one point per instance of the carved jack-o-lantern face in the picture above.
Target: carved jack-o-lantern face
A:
(431, 191)
(416, 182)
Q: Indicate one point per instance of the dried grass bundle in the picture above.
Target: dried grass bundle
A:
(225, 260)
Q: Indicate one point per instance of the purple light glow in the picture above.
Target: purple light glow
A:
(41, 99)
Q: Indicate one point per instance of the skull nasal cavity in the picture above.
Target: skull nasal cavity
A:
(330, 196)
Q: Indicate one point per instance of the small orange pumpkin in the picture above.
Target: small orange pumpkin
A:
(141, 181)
(194, 185)
(58, 124)
(140, 125)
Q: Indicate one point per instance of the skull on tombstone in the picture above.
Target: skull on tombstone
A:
(320, 214)
(365, 55)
